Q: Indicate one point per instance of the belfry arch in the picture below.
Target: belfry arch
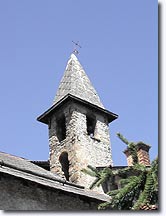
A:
(64, 161)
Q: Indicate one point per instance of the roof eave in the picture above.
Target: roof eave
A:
(45, 116)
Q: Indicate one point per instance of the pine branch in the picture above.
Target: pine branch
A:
(113, 192)
(122, 172)
(104, 206)
(131, 148)
(89, 172)
(101, 175)
(133, 151)
(124, 182)
(100, 181)
(146, 195)
(139, 184)
(139, 168)
(126, 194)
(123, 198)
(123, 138)
(93, 169)
(94, 184)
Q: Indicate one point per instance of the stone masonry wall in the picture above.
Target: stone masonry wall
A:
(82, 149)
(19, 194)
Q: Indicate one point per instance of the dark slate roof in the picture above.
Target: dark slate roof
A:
(24, 165)
(22, 168)
(76, 82)
(43, 164)
(45, 116)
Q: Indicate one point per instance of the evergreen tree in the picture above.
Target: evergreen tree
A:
(138, 183)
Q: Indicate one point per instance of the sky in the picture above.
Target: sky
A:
(119, 40)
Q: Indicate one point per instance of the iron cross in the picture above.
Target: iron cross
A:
(76, 45)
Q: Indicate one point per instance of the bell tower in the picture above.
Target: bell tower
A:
(78, 126)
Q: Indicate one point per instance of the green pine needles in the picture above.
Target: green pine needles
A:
(137, 184)
(101, 176)
(131, 146)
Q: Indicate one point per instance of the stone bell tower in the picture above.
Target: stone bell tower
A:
(78, 126)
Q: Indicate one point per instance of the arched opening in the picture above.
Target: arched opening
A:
(91, 124)
(61, 128)
(63, 159)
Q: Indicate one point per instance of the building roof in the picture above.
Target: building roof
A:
(75, 86)
(43, 164)
(22, 168)
(45, 116)
(76, 82)
(25, 166)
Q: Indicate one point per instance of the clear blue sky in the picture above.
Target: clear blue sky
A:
(119, 53)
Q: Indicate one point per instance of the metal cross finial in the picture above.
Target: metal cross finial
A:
(76, 45)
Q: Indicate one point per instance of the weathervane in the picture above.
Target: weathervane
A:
(76, 45)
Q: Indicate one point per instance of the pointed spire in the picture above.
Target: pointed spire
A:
(76, 82)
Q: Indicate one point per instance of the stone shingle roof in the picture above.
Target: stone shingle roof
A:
(24, 165)
(75, 82)
(22, 168)
(45, 116)
(43, 164)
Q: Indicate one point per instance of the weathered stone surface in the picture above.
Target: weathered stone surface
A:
(19, 194)
(18, 174)
(82, 149)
